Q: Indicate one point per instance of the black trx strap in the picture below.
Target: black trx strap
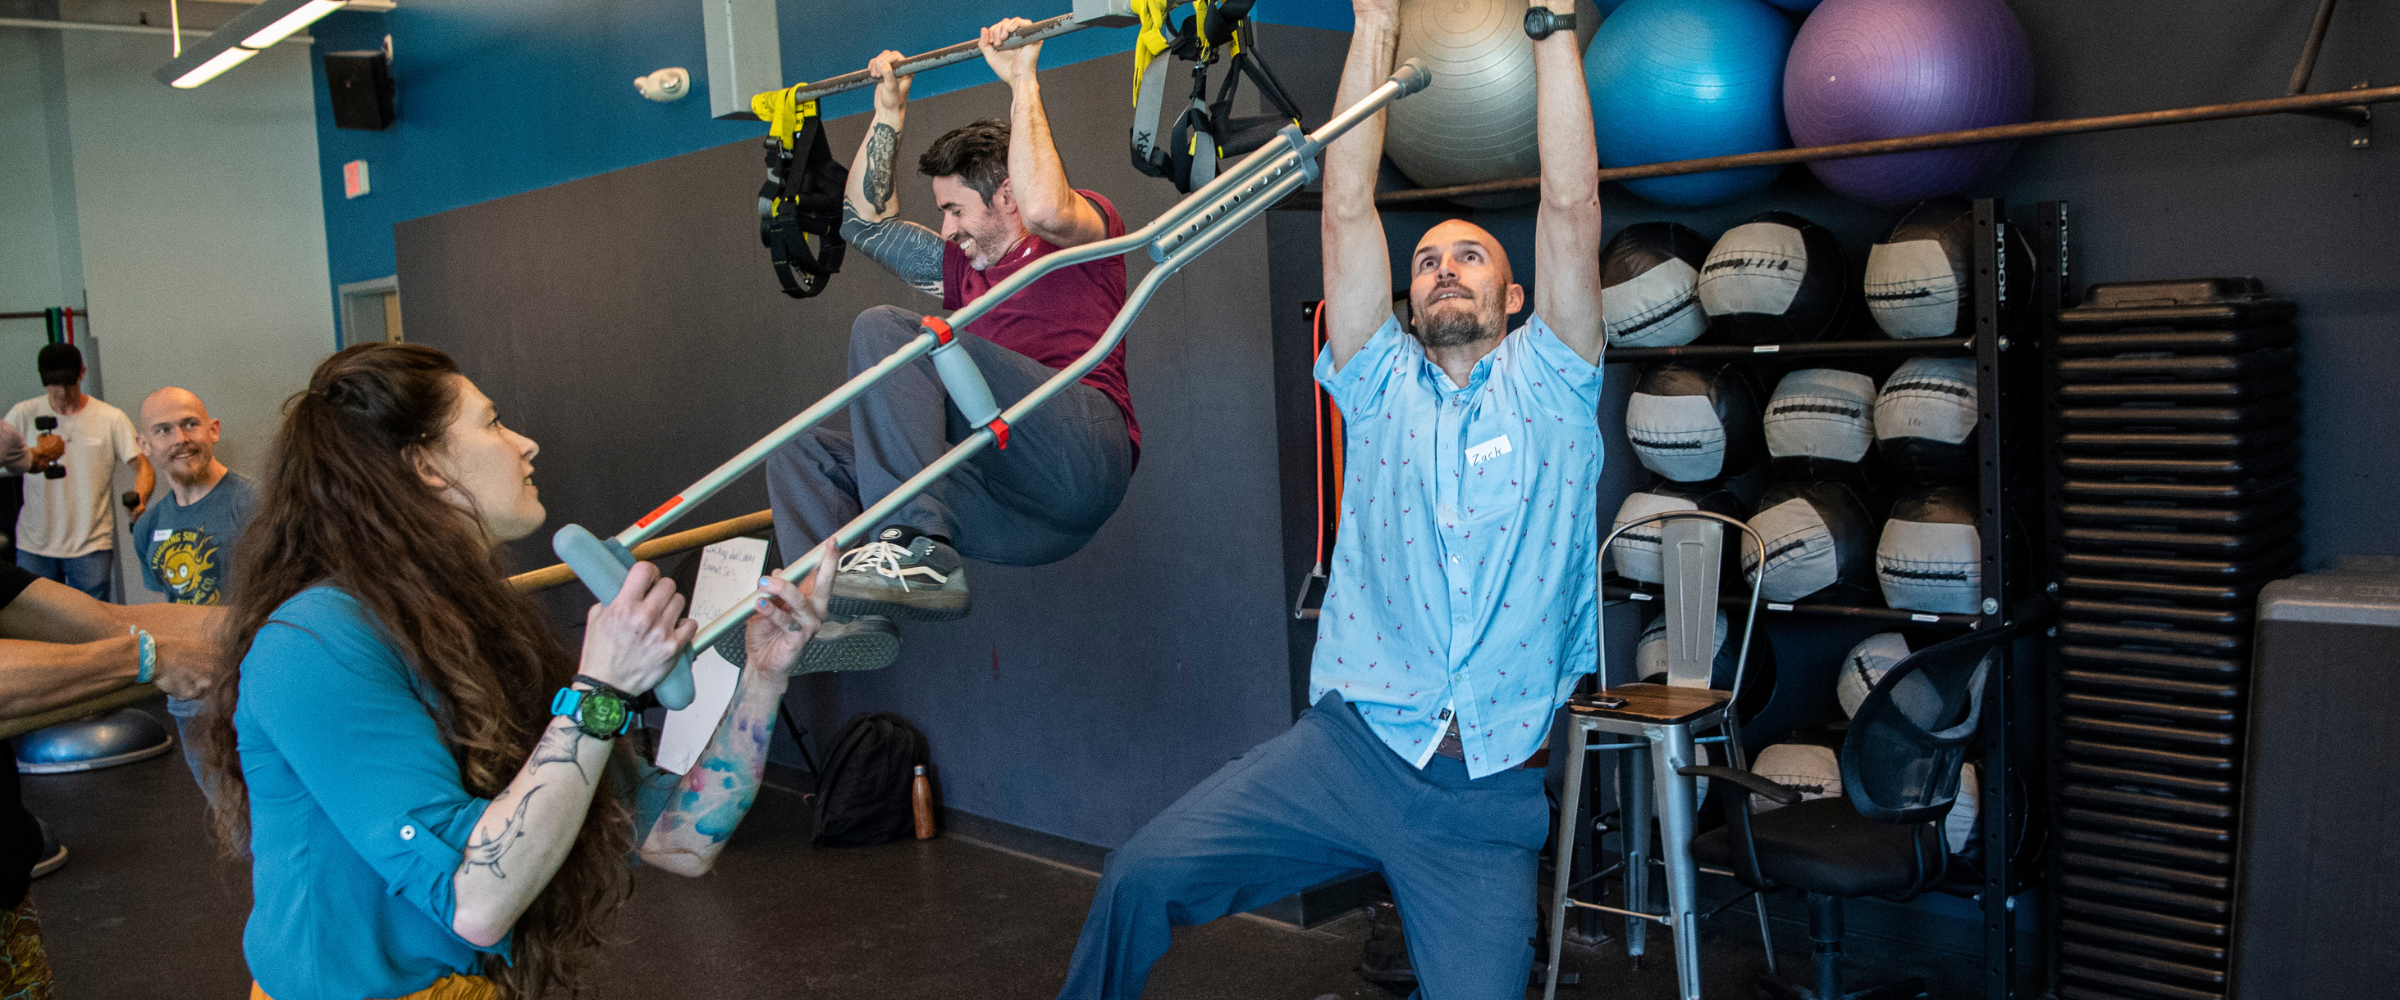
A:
(802, 197)
(1207, 130)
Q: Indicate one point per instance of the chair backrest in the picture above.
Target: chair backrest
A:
(1900, 761)
(1691, 560)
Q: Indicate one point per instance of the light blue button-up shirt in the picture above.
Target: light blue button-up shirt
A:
(1462, 581)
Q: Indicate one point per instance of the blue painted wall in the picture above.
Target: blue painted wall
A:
(497, 99)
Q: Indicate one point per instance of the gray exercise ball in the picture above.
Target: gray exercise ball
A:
(1475, 121)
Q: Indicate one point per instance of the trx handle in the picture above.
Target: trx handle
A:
(602, 564)
(801, 201)
(1206, 131)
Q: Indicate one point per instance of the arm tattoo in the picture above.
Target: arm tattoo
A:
(486, 852)
(883, 145)
(561, 744)
(908, 250)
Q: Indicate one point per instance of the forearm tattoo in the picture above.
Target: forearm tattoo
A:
(906, 249)
(883, 145)
(562, 743)
(487, 851)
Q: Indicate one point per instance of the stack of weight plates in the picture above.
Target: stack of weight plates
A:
(2178, 497)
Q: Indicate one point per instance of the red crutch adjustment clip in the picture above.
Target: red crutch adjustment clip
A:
(940, 328)
(999, 429)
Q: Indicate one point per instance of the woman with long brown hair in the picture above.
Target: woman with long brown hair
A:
(403, 746)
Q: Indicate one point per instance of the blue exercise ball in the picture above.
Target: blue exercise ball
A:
(1796, 5)
(1685, 79)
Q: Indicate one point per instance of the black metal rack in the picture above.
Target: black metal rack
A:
(2007, 377)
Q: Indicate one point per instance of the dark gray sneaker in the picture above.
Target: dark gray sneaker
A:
(901, 575)
(867, 642)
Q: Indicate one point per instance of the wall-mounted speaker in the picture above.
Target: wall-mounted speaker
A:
(361, 83)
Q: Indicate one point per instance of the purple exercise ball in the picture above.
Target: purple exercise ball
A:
(1881, 69)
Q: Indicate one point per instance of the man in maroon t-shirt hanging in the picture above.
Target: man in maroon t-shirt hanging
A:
(1005, 201)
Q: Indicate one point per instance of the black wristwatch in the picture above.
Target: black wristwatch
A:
(1540, 21)
(603, 712)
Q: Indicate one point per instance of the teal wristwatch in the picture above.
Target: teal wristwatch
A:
(603, 712)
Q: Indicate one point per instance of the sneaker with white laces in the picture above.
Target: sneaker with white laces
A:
(901, 574)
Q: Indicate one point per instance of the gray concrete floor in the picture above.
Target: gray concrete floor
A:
(145, 908)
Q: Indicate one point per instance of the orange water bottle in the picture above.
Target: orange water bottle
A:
(920, 799)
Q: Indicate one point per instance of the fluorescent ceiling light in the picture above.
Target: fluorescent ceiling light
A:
(216, 64)
(284, 26)
(263, 25)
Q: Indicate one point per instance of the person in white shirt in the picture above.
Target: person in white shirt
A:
(65, 532)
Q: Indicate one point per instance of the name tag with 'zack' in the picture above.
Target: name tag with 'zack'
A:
(1488, 450)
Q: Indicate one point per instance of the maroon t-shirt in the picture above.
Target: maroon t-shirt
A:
(1059, 316)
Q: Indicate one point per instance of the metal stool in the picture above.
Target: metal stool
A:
(1664, 717)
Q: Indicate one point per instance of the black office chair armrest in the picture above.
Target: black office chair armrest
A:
(1781, 795)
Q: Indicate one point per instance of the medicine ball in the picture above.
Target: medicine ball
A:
(1636, 550)
(1958, 828)
(1868, 661)
(1820, 540)
(1931, 555)
(1820, 422)
(1925, 420)
(1776, 279)
(1920, 280)
(1649, 285)
(1812, 770)
(1692, 423)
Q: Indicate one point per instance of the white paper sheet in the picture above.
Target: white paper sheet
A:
(729, 572)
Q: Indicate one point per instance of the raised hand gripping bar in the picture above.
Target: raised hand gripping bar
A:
(1177, 236)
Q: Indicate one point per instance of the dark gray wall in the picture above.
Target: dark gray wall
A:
(630, 324)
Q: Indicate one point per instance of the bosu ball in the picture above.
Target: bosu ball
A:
(120, 737)
(1636, 550)
(1931, 555)
(1649, 285)
(1820, 421)
(1924, 420)
(1820, 539)
(1776, 279)
(1693, 423)
(1920, 279)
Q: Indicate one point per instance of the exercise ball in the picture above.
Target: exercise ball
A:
(1475, 121)
(1820, 541)
(1649, 285)
(120, 737)
(1776, 279)
(1820, 423)
(1920, 280)
(1882, 69)
(1931, 554)
(1812, 770)
(1692, 423)
(1874, 657)
(1636, 550)
(1796, 5)
(1685, 79)
(1925, 419)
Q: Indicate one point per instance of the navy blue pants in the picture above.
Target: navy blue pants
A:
(1323, 800)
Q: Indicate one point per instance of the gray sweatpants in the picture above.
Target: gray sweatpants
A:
(1038, 501)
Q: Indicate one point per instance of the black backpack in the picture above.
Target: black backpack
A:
(863, 793)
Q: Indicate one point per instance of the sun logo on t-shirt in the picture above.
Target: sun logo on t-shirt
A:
(186, 562)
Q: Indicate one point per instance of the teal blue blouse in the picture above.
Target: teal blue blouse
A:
(358, 817)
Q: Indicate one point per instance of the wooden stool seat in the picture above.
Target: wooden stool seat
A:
(1653, 704)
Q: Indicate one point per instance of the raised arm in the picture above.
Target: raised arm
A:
(696, 815)
(1566, 229)
(1358, 260)
(1048, 205)
(871, 200)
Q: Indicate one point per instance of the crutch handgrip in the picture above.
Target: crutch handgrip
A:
(968, 390)
(602, 564)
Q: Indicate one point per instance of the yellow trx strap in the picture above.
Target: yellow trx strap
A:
(803, 194)
(783, 115)
(1152, 43)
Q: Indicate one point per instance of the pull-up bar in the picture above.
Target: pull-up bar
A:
(1037, 31)
(1180, 234)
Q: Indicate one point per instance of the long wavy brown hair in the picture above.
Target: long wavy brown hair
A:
(344, 505)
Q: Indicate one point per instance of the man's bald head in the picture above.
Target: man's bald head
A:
(1461, 288)
(178, 436)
